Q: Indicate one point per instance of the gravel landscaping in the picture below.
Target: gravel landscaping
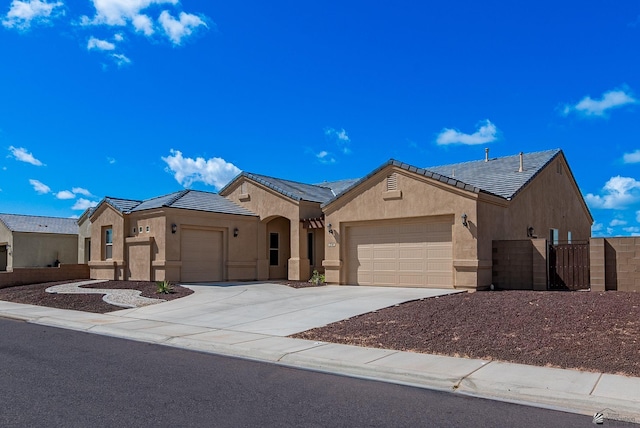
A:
(592, 331)
(34, 294)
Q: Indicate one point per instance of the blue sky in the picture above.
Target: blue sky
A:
(138, 98)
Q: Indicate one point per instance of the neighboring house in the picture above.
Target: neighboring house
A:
(34, 241)
(399, 226)
(187, 236)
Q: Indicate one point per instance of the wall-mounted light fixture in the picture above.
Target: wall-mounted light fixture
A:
(329, 229)
(530, 232)
(235, 232)
(174, 228)
(464, 220)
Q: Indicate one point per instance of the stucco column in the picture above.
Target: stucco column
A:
(299, 268)
(598, 262)
(262, 263)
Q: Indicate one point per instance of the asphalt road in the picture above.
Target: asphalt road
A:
(52, 377)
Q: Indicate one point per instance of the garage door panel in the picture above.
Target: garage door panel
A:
(202, 254)
(413, 255)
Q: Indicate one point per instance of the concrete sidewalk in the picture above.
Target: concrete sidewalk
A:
(618, 397)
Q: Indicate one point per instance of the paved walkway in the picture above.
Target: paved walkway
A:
(118, 297)
(258, 316)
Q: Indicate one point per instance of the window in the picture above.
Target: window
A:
(108, 243)
(310, 252)
(569, 237)
(554, 236)
(147, 229)
(274, 249)
(140, 229)
(134, 230)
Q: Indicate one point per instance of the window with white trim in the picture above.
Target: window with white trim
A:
(108, 243)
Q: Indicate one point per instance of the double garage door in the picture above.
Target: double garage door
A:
(415, 254)
(202, 255)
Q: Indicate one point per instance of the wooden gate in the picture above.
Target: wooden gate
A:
(569, 266)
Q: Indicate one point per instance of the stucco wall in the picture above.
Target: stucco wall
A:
(41, 250)
(269, 204)
(102, 268)
(84, 237)
(416, 197)
(6, 240)
(241, 252)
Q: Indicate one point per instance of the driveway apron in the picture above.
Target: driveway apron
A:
(275, 309)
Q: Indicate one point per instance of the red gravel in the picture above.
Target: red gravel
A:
(34, 294)
(590, 331)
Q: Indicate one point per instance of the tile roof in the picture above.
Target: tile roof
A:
(38, 224)
(320, 193)
(498, 176)
(195, 200)
(184, 199)
(122, 205)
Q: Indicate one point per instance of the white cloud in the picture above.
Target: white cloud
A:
(119, 12)
(101, 45)
(143, 24)
(65, 194)
(82, 204)
(118, 37)
(214, 172)
(120, 59)
(618, 192)
(597, 227)
(111, 160)
(610, 100)
(21, 154)
(325, 157)
(23, 13)
(40, 187)
(617, 222)
(633, 157)
(340, 137)
(632, 229)
(81, 191)
(177, 29)
(486, 133)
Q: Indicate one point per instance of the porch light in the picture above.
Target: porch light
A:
(235, 232)
(329, 229)
(174, 228)
(530, 232)
(464, 220)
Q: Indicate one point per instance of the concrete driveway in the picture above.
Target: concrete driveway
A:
(274, 309)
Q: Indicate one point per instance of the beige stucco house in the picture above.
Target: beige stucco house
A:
(187, 236)
(36, 241)
(399, 226)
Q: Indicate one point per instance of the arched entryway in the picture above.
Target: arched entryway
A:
(278, 247)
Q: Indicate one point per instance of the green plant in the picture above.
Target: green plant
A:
(164, 287)
(317, 278)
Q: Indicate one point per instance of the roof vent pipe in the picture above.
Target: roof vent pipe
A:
(486, 154)
(521, 162)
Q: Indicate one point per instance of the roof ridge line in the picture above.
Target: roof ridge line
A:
(176, 198)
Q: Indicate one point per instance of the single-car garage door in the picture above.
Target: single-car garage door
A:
(201, 255)
(416, 254)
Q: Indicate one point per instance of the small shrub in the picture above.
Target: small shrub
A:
(164, 287)
(317, 278)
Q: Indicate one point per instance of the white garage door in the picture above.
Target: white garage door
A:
(405, 255)
(201, 255)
